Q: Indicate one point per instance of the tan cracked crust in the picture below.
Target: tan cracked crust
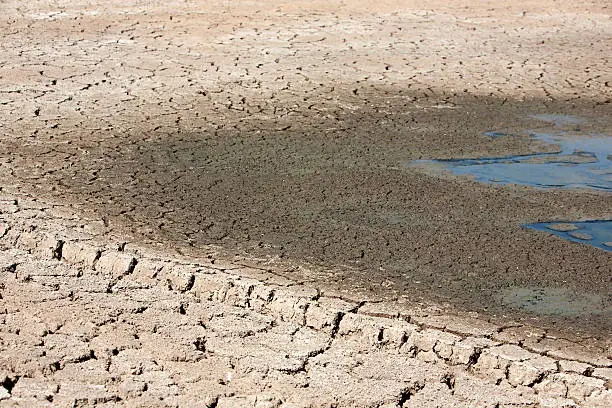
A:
(90, 324)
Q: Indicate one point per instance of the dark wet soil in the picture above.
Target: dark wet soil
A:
(329, 186)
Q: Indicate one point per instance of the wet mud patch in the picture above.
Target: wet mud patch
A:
(578, 160)
(327, 187)
(553, 301)
(559, 120)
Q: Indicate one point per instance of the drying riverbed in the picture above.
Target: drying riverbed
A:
(453, 159)
(236, 133)
(336, 193)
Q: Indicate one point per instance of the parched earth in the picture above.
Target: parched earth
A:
(153, 154)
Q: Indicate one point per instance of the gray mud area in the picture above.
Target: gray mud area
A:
(328, 187)
(557, 302)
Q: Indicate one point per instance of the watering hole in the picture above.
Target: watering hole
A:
(579, 161)
(597, 233)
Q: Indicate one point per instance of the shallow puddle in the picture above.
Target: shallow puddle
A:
(597, 233)
(581, 161)
(552, 301)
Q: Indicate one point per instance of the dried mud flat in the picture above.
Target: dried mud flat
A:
(212, 205)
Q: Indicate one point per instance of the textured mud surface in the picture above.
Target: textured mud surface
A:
(345, 199)
(280, 135)
(88, 324)
(287, 135)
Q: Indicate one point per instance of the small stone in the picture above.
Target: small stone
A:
(581, 235)
(4, 394)
(116, 264)
(147, 270)
(462, 354)
(79, 253)
(528, 372)
(181, 278)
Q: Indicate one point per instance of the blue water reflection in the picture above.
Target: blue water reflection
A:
(581, 161)
(597, 233)
(568, 160)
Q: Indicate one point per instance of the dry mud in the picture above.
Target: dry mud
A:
(212, 205)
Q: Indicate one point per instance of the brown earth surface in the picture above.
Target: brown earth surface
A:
(278, 135)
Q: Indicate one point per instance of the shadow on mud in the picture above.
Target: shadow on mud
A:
(329, 186)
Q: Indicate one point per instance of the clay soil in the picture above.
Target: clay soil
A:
(282, 132)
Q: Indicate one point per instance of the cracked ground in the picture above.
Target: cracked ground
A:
(278, 136)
